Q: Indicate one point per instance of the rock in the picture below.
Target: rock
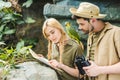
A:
(32, 71)
(61, 9)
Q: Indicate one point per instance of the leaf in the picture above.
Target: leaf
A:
(27, 3)
(23, 50)
(29, 20)
(11, 31)
(7, 4)
(19, 45)
(2, 43)
(3, 56)
(17, 14)
(4, 4)
(1, 35)
(2, 27)
(7, 17)
(2, 61)
(20, 22)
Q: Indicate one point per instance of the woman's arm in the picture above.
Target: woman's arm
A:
(72, 71)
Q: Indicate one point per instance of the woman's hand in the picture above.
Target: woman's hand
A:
(40, 55)
(54, 63)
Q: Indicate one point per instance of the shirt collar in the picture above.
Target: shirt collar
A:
(107, 27)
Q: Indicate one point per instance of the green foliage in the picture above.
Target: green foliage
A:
(31, 41)
(9, 19)
(2, 43)
(4, 30)
(27, 3)
(29, 20)
(12, 56)
(10, 53)
(4, 4)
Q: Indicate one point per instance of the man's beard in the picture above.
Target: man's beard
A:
(91, 29)
(84, 31)
(88, 31)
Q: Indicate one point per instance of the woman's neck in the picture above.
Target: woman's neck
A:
(63, 42)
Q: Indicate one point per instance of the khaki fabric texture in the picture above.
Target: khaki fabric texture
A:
(107, 51)
(93, 42)
(71, 50)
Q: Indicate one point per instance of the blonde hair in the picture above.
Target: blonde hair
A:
(52, 22)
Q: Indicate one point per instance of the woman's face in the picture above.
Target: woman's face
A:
(53, 34)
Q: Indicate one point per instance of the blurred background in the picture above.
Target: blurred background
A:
(22, 20)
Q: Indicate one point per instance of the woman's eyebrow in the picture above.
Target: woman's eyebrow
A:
(50, 31)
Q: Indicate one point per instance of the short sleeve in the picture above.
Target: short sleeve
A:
(117, 41)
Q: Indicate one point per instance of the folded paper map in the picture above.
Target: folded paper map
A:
(42, 59)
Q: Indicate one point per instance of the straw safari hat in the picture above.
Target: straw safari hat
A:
(87, 10)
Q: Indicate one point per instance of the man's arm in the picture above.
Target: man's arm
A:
(94, 70)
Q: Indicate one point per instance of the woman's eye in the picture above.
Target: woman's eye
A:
(52, 32)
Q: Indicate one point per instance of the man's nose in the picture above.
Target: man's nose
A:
(79, 28)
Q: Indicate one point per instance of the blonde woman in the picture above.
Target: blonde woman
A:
(61, 49)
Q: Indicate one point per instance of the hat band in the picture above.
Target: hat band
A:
(87, 13)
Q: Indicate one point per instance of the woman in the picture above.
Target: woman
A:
(61, 49)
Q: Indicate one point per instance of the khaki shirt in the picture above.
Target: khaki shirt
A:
(93, 42)
(107, 51)
(71, 50)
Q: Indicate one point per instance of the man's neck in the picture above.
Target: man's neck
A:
(100, 27)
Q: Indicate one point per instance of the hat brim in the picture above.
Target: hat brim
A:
(74, 12)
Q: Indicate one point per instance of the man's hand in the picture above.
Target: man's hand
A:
(92, 70)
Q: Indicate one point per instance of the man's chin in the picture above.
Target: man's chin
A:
(85, 32)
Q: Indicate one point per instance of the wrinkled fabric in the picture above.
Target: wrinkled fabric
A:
(71, 50)
(107, 50)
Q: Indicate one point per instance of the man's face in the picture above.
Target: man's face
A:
(83, 25)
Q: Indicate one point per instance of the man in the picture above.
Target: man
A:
(103, 49)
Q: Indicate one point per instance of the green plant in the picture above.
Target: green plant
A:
(9, 19)
(27, 3)
(10, 57)
(12, 53)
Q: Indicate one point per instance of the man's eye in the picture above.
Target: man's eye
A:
(81, 24)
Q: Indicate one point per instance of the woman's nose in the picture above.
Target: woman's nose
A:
(51, 37)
